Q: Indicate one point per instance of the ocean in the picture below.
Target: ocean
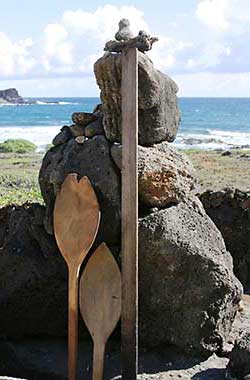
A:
(207, 123)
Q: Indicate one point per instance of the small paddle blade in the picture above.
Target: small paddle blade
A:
(76, 218)
(100, 294)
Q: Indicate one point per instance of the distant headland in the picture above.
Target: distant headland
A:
(11, 96)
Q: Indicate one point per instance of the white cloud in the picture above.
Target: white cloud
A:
(214, 13)
(70, 46)
(15, 56)
(56, 45)
(213, 84)
(230, 16)
(102, 24)
(167, 51)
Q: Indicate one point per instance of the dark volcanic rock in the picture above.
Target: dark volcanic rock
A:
(77, 130)
(47, 360)
(91, 158)
(188, 292)
(239, 365)
(230, 211)
(63, 136)
(11, 96)
(83, 118)
(94, 129)
(159, 115)
(33, 295)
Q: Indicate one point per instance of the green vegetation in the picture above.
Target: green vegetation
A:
(19, 178)
(17, 146)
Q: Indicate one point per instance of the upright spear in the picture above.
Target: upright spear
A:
(128, 45)
(129, 213)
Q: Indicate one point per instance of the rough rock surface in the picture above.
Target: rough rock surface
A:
(165, 176)
(83, 118)
(239, 365)
(159, 115)
(63, 136)
(188, 292)
(91, 158)
(33, 295)
(77, 130)
(94, 129)
(230, 211)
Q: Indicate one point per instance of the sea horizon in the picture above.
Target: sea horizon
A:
(207, 122)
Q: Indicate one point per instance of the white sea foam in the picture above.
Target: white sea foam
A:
(48, 103)
(215, 139)
(37, 103)
(39, 135)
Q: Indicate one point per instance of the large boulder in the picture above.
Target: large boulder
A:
(33, 296)
(188, 292)
(230, 211)
(165, 176)
(159, 115)
(92, 159)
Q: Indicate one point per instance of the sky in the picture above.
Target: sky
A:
(48, 48)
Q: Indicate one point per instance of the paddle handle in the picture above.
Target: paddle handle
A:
(98, 362)
(73, 323)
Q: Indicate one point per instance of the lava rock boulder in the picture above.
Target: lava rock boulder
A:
(159, 115)
(189, 295)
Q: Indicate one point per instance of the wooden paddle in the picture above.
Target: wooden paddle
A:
(100, 302)
(76, 221)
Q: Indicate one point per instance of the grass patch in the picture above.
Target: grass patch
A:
(19, 178)
(216, 172)
(17, 146)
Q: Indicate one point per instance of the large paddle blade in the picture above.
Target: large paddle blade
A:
(76, 218)
(100, 301)
(76, 222)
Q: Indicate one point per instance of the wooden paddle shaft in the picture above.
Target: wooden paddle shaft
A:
(129, 214)
(98, 362)
(73, 284)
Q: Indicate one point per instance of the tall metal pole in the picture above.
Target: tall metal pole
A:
(129, 214)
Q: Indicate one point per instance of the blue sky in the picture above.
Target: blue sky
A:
(48, 48)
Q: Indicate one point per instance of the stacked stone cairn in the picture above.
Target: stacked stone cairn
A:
(188, 293)
(187, 289)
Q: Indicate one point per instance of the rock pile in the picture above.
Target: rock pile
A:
(188, 292)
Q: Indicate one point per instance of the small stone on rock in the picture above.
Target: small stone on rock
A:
(80, 139)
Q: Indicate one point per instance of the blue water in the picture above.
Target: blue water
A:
(207, 123)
